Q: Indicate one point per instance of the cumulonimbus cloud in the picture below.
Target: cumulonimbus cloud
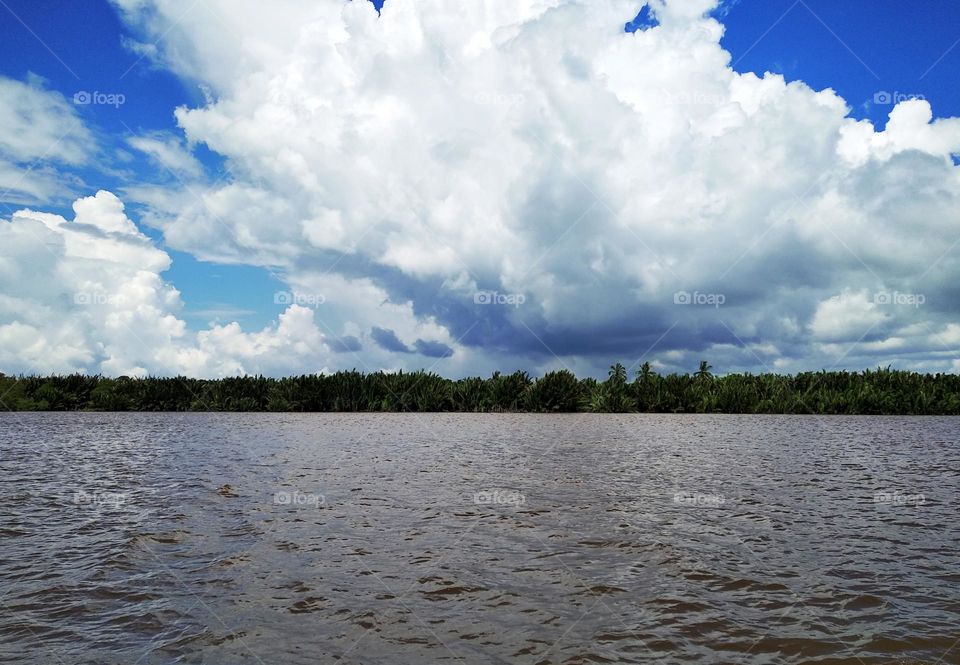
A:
(612, 193)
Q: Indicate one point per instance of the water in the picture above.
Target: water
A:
(419, 538)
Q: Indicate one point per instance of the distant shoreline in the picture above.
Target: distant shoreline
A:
(870, 392)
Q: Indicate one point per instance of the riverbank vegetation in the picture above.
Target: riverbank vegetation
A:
(881, 391)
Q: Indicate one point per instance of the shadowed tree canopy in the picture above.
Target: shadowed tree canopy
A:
(880, 391)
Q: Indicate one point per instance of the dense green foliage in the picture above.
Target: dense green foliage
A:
(882, 391)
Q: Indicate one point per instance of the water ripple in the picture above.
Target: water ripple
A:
(396, 538)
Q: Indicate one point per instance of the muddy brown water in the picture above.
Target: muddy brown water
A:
(460, 538)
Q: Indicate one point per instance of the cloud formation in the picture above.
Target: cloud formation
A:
(87, 295)
(615, 195)
(40, 131)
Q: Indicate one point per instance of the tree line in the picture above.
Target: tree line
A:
(880, 391)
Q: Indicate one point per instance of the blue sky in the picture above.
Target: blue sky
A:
(90, 37)
(872, 53)
(856, 47)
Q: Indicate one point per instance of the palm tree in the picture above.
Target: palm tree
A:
(645, 373)
(555, 391)
(883, 390)
(704, 372)
(617, 375)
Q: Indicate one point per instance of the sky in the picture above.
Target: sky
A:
(225, 187)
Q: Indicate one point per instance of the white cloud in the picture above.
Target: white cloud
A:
(399, 163)
(87, 295)
(847, 316)
(169, 153)
(535, 148)
(39, 128)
